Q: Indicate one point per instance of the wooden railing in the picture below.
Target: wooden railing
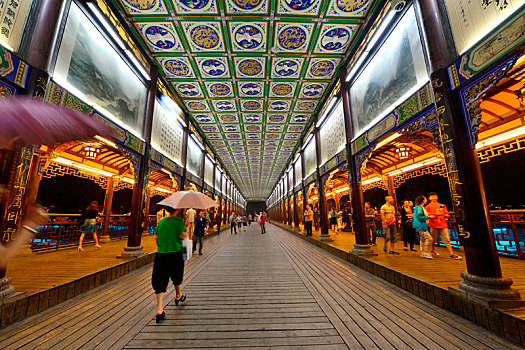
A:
(63, 230)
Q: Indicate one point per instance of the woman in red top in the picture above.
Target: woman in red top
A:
(437, 224)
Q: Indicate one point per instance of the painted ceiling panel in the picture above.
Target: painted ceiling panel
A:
(251, 73)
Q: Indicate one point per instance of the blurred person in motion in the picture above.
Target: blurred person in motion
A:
(438, 225)
(419, 222)
(169, 263)
(89, 224)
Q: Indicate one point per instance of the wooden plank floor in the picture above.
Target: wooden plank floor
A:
(253, 291)
(442, 271)
(36, 272)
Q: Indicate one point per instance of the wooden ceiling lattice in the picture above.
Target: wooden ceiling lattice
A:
(251, 73)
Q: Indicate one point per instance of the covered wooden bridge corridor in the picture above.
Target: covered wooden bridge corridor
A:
(252, 291)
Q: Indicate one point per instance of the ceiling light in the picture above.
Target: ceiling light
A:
(414, 166)
(326, 111)
(387, 140)
(501, 137)
(371, 43)
(82, 166)
(137, 64)
(194, 137)
(372, 180)
(307, 141)
(106, 141)
(109, 27)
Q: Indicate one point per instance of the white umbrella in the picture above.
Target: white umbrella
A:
(188, 199)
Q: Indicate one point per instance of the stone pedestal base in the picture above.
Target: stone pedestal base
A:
(8, 293)
(325, 238)
(132, 252)
(104, 239)
(490, 291)
(363, 250)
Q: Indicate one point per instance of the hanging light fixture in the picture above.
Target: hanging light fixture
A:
(91, 152)
(403, 152)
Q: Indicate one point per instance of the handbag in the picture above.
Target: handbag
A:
(391, 220)
(187, 245)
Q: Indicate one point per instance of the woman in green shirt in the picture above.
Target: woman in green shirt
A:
(168, 263)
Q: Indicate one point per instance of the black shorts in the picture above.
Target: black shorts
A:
(166, 266)
(333, 221)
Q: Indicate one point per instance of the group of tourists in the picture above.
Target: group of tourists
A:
(242, 221)
(427, 220)
(311, 218)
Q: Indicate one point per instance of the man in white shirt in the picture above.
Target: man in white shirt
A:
(190, 220)
(388, 217)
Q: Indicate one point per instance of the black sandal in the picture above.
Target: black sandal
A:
(160, 317)
(182, 298)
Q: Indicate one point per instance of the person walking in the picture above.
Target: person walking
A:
(190, 221)
(207, 216)
(419, 222)
(308, 219)
(201, 227)
(388, 217)
(409, 234)
(244, 222)
(262, 219)
(89, 224)
(438, 225)
(250, 218)
(316, 217)
(218, 219)
(239, 222)
(333, 215)
(371, 228)
(233, 223)
(168, 263)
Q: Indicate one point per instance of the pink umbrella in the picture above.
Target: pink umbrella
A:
(25, 121)
(188, 199)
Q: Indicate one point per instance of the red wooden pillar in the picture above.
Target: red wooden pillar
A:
(108, 203)
(295, 206)
(362, 244)
(322, 205)
(134, 248)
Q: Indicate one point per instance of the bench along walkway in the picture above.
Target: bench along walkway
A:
(258, 291)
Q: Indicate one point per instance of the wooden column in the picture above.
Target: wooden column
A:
(41, 43)
(303, 173)
(203, 169)
(146, 211)
(295, 208)
(392, 190)
(483, 278)
(108, 203)
(185, 153)
(322, 207)
(133, 248)
(362, 244)
(33, 183)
